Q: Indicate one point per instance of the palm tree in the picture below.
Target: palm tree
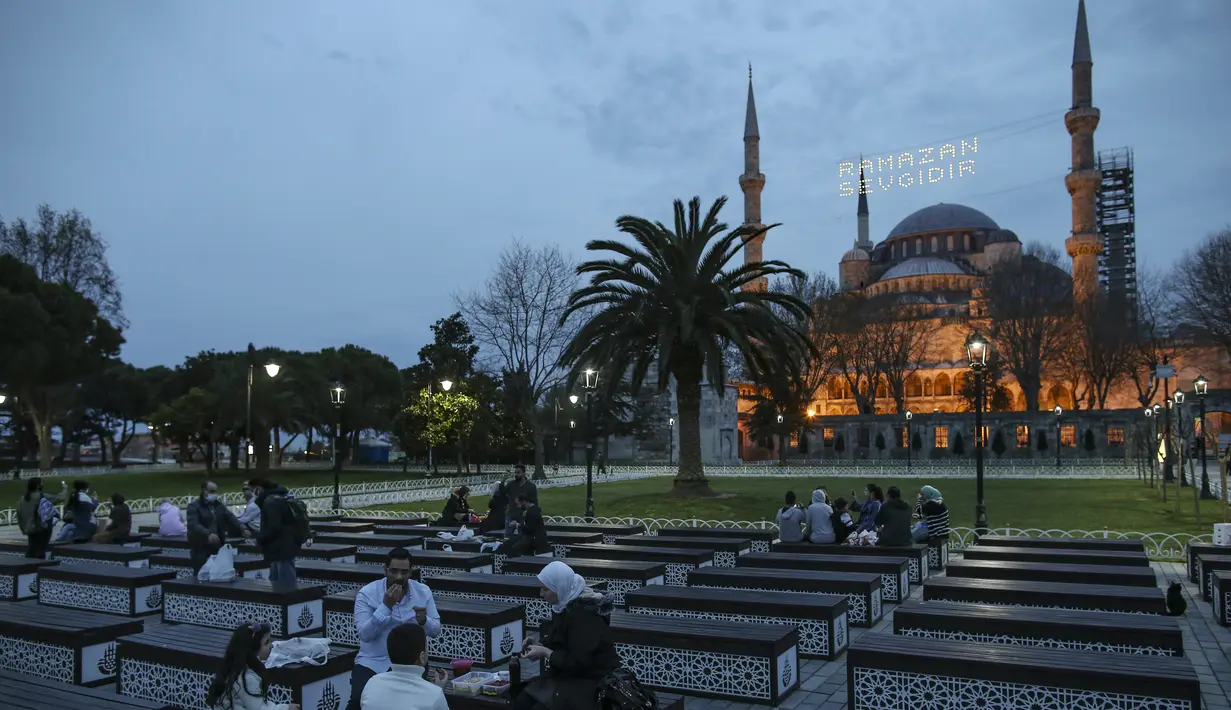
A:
(670, 301)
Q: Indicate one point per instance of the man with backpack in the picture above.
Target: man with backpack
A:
(36, 516)
(284, 529)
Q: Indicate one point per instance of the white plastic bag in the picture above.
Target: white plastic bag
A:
(464, 534)
(220, 567)
(298, 650)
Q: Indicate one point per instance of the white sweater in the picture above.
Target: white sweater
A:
(246, 695)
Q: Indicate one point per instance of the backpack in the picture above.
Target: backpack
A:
(28, 518)
(299, 520)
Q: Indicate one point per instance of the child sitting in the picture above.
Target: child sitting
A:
(843, 525)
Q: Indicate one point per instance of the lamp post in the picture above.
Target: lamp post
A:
(445, 385)
(1149, 414)
(976, 353)
(1201, 387)
(590, 383)
(670, 440)
(271, 369)
(1059, 411)
(909, 415)
(337, 396)
(1179, 432)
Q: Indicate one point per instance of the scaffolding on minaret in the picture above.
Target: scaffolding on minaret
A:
(1117, 217)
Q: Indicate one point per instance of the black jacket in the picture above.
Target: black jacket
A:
(454, 506)
(205, 519)
(894, 523)
(121, 518)
(582, 650)
(511, 489)
(277, 534)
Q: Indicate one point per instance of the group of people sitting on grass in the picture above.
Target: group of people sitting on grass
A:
(894, 523)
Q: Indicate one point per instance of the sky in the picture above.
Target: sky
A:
(304, 174)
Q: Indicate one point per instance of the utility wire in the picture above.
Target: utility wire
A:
(982, 131)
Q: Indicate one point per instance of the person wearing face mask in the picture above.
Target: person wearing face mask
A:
(240, 683)
(404, 686)
(209, 521)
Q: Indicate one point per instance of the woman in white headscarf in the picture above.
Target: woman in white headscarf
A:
(577, 641)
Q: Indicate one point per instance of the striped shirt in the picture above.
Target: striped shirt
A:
(936, 515)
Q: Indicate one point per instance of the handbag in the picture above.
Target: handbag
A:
(621, 690)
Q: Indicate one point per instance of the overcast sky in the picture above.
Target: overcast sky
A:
(304, 174)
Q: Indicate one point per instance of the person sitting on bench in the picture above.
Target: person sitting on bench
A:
(121, 524)
(240, 683)
(530, 537)
(406, 686)
(457, 508)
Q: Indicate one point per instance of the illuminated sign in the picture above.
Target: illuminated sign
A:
(910, 169)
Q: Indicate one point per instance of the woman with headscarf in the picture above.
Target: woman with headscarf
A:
(933, 526)
(820, 520)
(457, 508)
(577, 641)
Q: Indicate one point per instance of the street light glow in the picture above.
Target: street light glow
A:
(1058, 410)
(446, 385)
(1201, 387)
(272, 369)
(1179, 398)
(573, 398)
(909, 415)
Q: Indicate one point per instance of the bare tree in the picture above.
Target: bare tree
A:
(1203, 289)
(900, 333)
(1100, 351)
(1028, 307)
(63, 248)
(1151, 343)
(517, 316)
(855, 356)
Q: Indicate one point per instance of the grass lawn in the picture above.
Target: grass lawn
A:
(1123, 506)
(171, 483)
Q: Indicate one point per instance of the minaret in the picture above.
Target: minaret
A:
(864, 242)
(752, 182)
(1086, 244)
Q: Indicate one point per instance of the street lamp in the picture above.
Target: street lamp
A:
(1201, 387)
(445, 385)
(1058, 410)
(670, 440)
(1179, 431)
(272, 370)
(976, 354)
(590, 383)
(909, 415)
(337, 396)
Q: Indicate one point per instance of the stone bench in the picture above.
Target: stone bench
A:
(23, 692)
(127, 591)
(1064, 543)
(958, 675)
(916, 555)
(894, 571)
(1047, 595)
(938, 554)
(1194, 549)
(426, 531)
(1221, 597)
(91, 553)
(609, 532)
(64, 645)
(132, 539)
(820, 618)
(385, 522)
(327, 552)
(761, 540)
(751, 663)
(862, 590)
(620, 575)
(291, 612)
(151, 529)
(486, 632)
(1207, 564)
(1044, 572)
(1102, 631)
(473, 545)
(507, 588)
(180, 562)
(560, 540)
(180, 542)
(466, 701)
(370, 541)
(433, 563)
(725, 549)
(342, 528)
(679, 560)
(19, 577)
(175, 664)
(1051, 555)
(336, 577)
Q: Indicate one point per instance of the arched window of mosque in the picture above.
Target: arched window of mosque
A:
(835, 388)
(927, 387)
(966, 241)
(1020, 403)
(944, 387)
(950, 239)
(914, 386)
(863, 387)
(881, 390)
(935, 244)
(1059, 396)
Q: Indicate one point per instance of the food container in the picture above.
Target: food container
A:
(471, 683)
(461, 666)
(497, 687)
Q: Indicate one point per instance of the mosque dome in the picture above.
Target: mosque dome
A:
(923, 266)
(1002, 235)
(943, 217)
(856, 254)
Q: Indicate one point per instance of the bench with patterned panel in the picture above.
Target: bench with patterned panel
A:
(561, 539)
(341, 527)
(23, 692)
(888, 672)
(370, 541)
(64, 645)
(1051, 555)
(750, 663)
(180, 542)
(174, 665)
(1064, 543)
(679, 560)
(425, 531)
(509, 588)
(92, 553)
(1220, 592)
(247, 566)
(467, 701)
(609, 532)
(1194, 550)
(1047, 595)
(384, 522)
(894, 571)
(19, 577)
(820, 618)
(289, 612)
(1207, 564)
(127, 591)
(916, 555)
(433, 563)
(725, 549)
(1102, 631)
(762, 540)
(337, 577)
(620, 576)
(861, 589)
(327, 552)
(1050, 572)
